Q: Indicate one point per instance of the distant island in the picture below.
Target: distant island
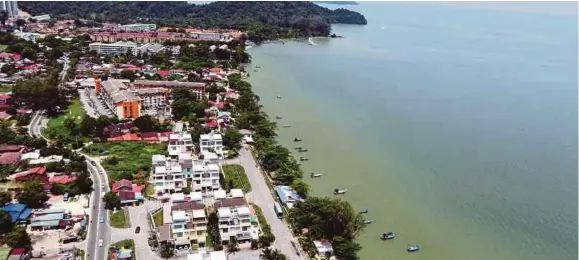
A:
(261, 20)
(337, 2)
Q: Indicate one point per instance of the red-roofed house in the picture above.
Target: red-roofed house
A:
(122, 185)
(163, 73)
(19, 254)
(129, 192)
(164, 137)
(62, 179)
(125, 138)
(4, 98)
(211, 124)
(4, 115)
(11, 148)
(11, 56)
(37, 173)
(218, 105)
(11, 158)
(150, 137)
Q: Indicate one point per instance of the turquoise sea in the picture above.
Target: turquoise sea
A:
(455, 124)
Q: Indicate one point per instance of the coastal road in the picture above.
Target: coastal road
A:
(262, 197)
(97, 230)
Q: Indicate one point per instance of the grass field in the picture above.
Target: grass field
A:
(120, 219)
(158, 218)
(56, 129)
(5, 88)
(235, 176)
(127, 160)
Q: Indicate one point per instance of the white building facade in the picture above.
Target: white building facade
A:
(112, 49)
(236, 220)
(10, 7)
(211, 143)
(138, 27)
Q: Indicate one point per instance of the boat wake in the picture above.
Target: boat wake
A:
(311, 41)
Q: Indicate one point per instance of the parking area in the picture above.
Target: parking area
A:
(92, 104)
(77, 205)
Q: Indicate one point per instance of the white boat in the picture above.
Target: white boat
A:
(285, 126)
(368, 221)
(315, 175)
(413, 248)
(278, 96)
(340, 191)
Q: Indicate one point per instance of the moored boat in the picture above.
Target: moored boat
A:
(368, 221)
(303, 158)
(278, 117)
(285, 126)
(297, 140)
(278, 96)
(387, 235)
(298, 147)
(413, 248)
(302, 150)
(315, 175)
(364, 211)
(340, 191)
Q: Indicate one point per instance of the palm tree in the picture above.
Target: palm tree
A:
(232, 247)
(269, 254)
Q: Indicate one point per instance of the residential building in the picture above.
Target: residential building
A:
(211, 143)
(10, 7)
(123, 103)
(186, 162)
(167, 177)
(128, 192)
(153, 98)
(18, 212)
(213, 255)
(150, 48)
(38, 18)
(189, 224)
(197, 87)
(205, 176)
(138, 27)
(236, 219)
(179, 143)
(113, 49)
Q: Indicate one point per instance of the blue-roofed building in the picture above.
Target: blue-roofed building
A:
(287, 195)
(18, 212)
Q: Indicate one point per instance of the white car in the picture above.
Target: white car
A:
(100, 242)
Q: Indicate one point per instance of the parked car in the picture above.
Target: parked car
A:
(100, 242)
(137, 230)
(102, 219)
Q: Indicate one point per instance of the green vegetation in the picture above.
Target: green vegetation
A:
(158, 218)
(261, 20)
(267, 238)
(127, 160)
(5, 88)
(235, 178)
(120, 219)
(112, 200)
(66, 126)
(32, 194)
(80, 253)
(4, 252)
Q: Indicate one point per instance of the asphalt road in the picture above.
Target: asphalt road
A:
(262, 197)
(96, 229)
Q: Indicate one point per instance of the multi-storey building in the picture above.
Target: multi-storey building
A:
(236, 220)
(116, 48)
(121, 102)
(189, 224)
(138, 27)
(186, 162)
(167, 177)
(197, 87)
(205, 176)
(153, 98)
(180, 143)
(211, 143)
(10, 7)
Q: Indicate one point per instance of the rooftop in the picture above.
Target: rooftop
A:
(230, 203)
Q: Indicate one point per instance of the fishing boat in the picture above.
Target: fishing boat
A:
(413, 248)
(364, 211)
(303, 158)
(315, 175)
(285, 126)
(368, 221)
(340, 191)
(303, 150)
(257, 67)
(297, 139)
(278, 117)
(278, 96)
(298, 147)
(387, 235)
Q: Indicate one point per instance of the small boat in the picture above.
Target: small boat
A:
(340, 191)
(387, 235)
(303, 150)
(298, 147)
(257, 67)
(278, 117)
(315, 175)
(254, 70)
(297, 140)
(303, 158)
(278, 96)
(368, 221)
(413, 248)
(285, 126)
(364, 211)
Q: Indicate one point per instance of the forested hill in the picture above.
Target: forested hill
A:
(262, 20)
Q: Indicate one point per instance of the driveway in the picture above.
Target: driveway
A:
(262, 197)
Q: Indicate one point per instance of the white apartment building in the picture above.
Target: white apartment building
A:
(211, 143)
(153, 98)
(116, 48)
(189, 225)
(180, 143)
(210, 36)
(11, 8)
(167, 177)
(205, 176)
(138, 27)
(236, 220)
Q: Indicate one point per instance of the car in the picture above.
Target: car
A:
(102, 219)
(93, 163)
(100, 242)
(137, 230)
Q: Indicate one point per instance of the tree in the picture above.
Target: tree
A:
(32, 194)
(83, 184)
(232, 139)
(213, 229)
(29, 53)
(5, 197)
(146, 123)
(166, 251)
(70, 125)
(112, 201)
(5, 222)
(181, 108)
(88, 126)
(58, 189)
(18, 238)
(301, 187)
(272, 254)
(127, 74)
(232, 247)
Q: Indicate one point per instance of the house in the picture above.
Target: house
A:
(62, 179)
(125, 138)
(324, 248)
(212, 143)
(180, 143)
(19, 254)
(50, 220)
(4, 98)
(128, 192)
(167, 176)
(5, 116)
(11, 148)
(119, 129)
(247, 136)
(37, 173)
(236, 219)
(287, 195)
(18, 212)
(150, 137)
(205, 177)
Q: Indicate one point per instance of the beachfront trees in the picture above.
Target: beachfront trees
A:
(329, 218)
(301, 187)
(232, 139)
(272, 254)
(274, 157)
